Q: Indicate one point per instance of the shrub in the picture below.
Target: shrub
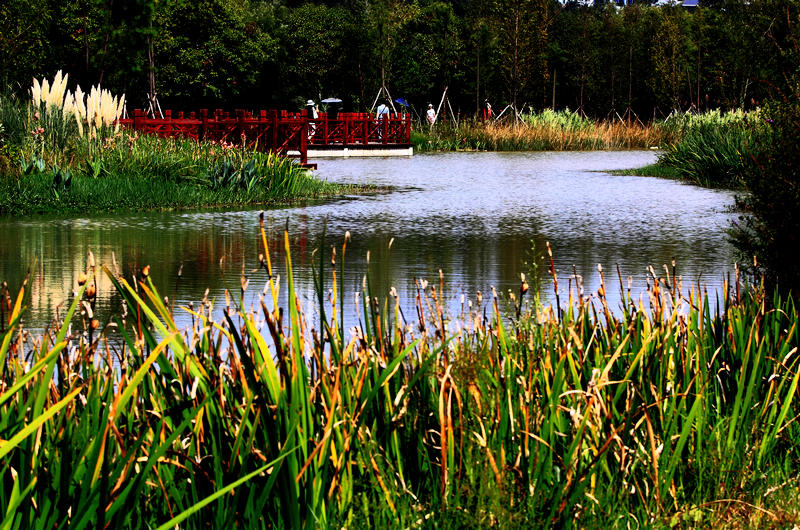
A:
(770, 228)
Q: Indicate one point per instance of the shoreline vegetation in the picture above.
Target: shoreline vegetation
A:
(653, 170)
(708, 149)
(547, 130)
(61, 152)
(673, 410)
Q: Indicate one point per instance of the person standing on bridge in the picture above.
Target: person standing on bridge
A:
(381, 114)
(312, 114)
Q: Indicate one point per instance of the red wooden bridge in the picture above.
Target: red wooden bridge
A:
(282, 132)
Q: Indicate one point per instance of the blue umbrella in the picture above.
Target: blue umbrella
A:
(331, 100)
(402, 101)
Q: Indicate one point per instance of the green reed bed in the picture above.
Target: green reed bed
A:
(538, 131)
(62, 152)
(672, 410)
(711, 149)
(145, 173)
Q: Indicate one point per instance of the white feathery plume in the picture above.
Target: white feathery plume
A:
(55, 98)
(45, 90)
(118, 112)
(80, 103)
(36, 92)
(79, 121)
(69, 105)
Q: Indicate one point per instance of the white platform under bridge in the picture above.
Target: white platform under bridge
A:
(339, 151)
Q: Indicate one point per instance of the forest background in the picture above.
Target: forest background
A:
(597, 58)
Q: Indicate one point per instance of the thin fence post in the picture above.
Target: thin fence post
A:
(274, 131)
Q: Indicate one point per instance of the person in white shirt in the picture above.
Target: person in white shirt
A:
(382, 113)
(431, 114)
(313, 114)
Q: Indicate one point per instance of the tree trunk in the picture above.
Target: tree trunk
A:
(151, 72)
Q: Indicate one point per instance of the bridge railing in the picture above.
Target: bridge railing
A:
(359, 129)
(282, 132)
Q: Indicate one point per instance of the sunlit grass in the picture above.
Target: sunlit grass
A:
(543, 131)
(709, 149)
(672, 409)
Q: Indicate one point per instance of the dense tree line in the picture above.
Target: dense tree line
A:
(599, 58)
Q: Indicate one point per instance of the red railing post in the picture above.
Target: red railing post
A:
(201, 134)
(138, 118)
(168, 128)
(240, 127)
(304, 145)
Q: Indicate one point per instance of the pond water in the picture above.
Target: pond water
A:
(475, 216)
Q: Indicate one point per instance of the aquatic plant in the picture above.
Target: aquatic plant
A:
(564, 120)
(664, 410)
(546, 131)
(709, 149)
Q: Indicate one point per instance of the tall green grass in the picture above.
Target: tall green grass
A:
(709, 149)
(37, 193)
(672, 410)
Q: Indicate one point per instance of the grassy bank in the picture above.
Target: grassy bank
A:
(653, 170)
(543, 131)
(671, 411)
(147, 173)
(705, 149)
(61, 152)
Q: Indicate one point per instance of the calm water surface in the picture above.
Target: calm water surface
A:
(476, 216)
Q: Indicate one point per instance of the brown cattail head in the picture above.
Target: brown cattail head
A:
(146, 271)
(81, 279)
